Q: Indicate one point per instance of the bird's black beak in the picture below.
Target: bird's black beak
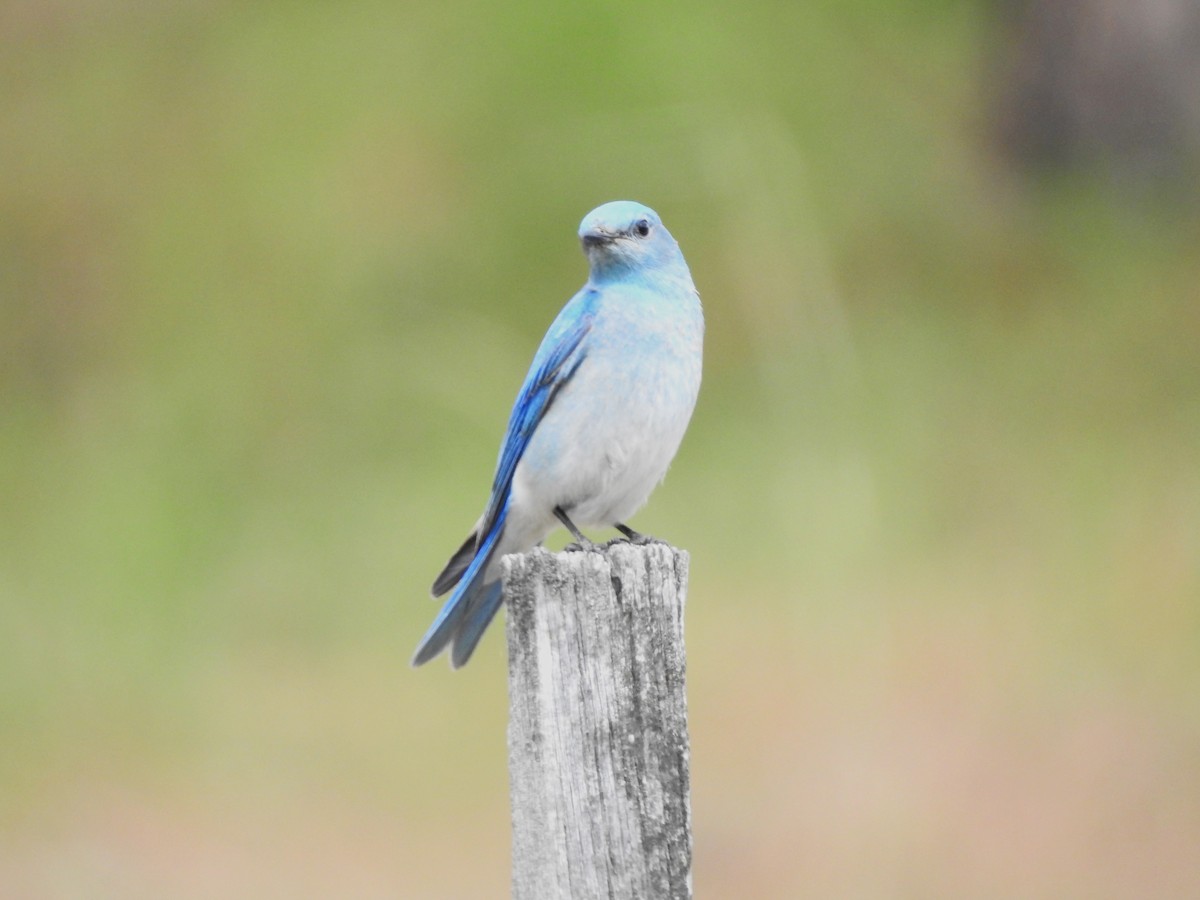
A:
(598, 238)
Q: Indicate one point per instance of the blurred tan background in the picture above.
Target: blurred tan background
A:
(271, 274)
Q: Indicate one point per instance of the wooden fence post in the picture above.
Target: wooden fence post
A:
(597, 738)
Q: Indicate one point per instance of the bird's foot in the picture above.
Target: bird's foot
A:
(642, 540)
(634, 537)
(583, 545)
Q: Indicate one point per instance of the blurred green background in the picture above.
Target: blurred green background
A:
(270, 276)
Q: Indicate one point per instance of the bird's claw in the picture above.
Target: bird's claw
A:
(642, 540)
(584, 546)
(634, 537)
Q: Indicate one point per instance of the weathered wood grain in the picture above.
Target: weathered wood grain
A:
(597, 736)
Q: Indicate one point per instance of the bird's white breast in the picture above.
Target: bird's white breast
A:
(612, 431)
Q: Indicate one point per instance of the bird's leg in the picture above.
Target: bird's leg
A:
(581, 541)
(636, 537)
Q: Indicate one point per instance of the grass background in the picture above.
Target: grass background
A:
(270, 276)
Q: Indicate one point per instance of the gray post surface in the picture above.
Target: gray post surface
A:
(597, 737)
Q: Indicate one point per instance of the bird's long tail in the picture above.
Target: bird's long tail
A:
(453, 573)
(470, 609)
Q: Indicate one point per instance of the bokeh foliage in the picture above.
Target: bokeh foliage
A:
(269, 278)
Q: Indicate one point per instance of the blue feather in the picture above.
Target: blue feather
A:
(456, 612)
(556, 361)
(466, 615)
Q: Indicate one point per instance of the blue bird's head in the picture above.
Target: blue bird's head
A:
(623, 237)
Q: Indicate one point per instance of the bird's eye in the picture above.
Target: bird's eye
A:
(642, 228)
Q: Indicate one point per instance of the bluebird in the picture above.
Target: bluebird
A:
(597, 421)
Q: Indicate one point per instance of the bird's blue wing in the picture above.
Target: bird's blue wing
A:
(556, 361)
(474, 602)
